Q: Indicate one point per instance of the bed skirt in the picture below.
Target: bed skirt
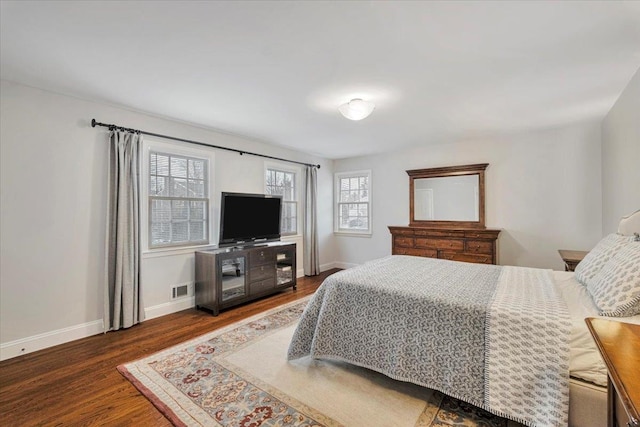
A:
(587, 404)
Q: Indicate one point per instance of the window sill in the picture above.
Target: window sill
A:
(291, 237)
(353, 233)
(162, 252)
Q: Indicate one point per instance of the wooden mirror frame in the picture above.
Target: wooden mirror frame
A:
(477, 169)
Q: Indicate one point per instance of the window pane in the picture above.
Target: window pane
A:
(178, 187)
(197, 210)
(158, 186)
(179, 232)
(196, 169)
(289, 194)
(288, 222)
(289, 187)
(160, 233)
(197, 230)
(179, 210)
(179, 167)
(289, 209)
(153, 186)
(153, 161)
(162, 165)
(196, 188)
(160, 211)
(358, 223)
(344, 184)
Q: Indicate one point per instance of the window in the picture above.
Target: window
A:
(353, 202)
(283, 182)
(178, 200)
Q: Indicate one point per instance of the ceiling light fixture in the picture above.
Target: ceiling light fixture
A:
(356, 109)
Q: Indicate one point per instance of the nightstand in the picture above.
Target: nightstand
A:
(571, 258)
(619, 346)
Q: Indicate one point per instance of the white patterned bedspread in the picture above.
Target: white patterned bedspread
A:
(495, 337)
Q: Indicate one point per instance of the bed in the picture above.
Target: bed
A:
(511, 340)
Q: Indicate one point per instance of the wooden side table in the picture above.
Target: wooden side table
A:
(571, 258)
(619, 345)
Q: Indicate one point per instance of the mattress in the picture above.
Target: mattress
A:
(585, 362)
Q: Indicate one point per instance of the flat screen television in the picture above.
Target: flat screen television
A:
(247, 219)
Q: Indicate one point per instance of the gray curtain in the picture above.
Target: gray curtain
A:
(122, 298)
(311, 255)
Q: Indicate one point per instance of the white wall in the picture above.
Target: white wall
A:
(621, 157)
(543, 189)
(53, 202)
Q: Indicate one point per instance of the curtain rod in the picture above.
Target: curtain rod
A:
(241, 152)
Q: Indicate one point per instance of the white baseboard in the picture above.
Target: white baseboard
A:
(49, 339)
(344, 265)
(323, 267)
(169, 307)
(27, 345)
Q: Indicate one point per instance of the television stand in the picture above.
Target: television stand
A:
(227, 277)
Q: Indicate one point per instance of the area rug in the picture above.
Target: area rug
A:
(239, 376)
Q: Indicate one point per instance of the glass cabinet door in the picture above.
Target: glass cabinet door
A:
(284, 266)
(233, 278)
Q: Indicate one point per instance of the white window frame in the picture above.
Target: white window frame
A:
(149, 145)
(297, 191)
(336, 203)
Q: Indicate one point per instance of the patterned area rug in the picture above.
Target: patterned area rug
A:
(239, 376)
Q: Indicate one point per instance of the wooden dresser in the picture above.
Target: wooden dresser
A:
(456, 244)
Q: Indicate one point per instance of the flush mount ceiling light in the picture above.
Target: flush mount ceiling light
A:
(356, 109)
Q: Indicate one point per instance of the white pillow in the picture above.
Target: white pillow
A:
(596, 259)
(616, 287)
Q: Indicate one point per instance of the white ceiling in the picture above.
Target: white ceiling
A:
(277, 71)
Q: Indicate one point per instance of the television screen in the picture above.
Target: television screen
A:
(248, 218)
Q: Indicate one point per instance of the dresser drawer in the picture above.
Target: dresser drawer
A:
(261, 272)
(403, 241)
(430, 253)
(263, 256)
(466, 257)
(478, 247)
(262, 286)
(438, 233)
(450, 244)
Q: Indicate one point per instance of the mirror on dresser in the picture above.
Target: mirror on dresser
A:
(447, 196)
(446, 216)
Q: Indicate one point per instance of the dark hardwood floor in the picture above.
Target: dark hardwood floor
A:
(77, 384)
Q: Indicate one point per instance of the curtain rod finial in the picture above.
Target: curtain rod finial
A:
(93, 123)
